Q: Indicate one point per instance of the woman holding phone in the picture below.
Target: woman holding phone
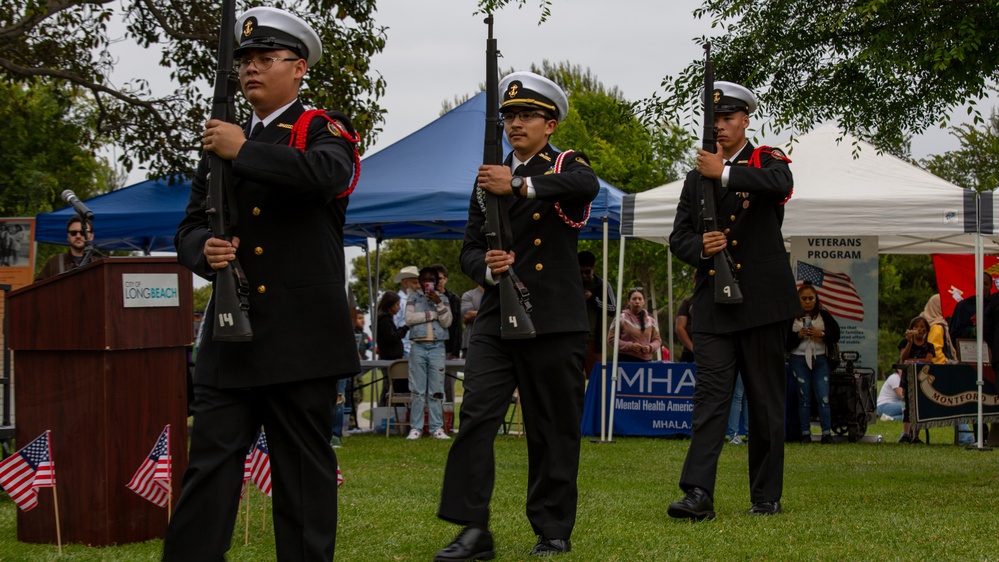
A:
(807, 343)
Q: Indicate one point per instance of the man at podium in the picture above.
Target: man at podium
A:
(77, 238)
(292, 203)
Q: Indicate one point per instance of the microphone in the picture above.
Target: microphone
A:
(78, 206)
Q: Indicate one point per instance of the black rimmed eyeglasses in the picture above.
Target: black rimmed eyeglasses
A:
(525, 116)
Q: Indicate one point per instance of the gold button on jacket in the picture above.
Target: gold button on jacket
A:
(261, 289)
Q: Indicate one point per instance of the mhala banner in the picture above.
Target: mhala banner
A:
(651, 399)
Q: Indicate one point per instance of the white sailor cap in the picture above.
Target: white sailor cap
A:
(270, 28)
(527, 89)
(730, 97)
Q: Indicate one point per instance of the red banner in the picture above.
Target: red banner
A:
(956, 277)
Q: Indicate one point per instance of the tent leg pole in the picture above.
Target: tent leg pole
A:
(979, 305)
(603, 341)
(669, 302)
(617, 335)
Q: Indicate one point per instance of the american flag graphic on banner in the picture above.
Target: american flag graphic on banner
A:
(152, 480)
(836, 291)
(258, 464)
(28, 469)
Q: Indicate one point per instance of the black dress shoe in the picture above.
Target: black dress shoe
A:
(470, 544)
(697, 506)
(547, 547)
(765, 508)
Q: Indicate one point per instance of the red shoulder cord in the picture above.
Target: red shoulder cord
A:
(300, 132)
(754, 162)
(557, 168)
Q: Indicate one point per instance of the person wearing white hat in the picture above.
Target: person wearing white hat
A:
(291, 175)
(549, 194)
(408, 279)
(751, 187)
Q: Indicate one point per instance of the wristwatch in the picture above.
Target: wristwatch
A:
(515, 184)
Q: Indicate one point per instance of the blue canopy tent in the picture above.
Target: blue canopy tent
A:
(418, 187)
(399, 197)
(142, 217)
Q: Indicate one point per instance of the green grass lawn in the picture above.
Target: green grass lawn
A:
(841, 502)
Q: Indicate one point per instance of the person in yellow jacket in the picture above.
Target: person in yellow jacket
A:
(939, 336)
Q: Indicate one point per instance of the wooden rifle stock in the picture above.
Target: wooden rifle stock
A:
(231, 289)
(724, 270)
(515, 304)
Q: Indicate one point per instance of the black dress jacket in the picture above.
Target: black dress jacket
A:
(291, 248)
(751, 207)
(544, 245)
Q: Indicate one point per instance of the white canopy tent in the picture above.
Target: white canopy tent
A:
(844, 187)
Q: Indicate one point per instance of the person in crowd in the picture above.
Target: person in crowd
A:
(748, 337)
(77, 238)
(596, 308)
(360, 336)
(738, 416)
(549, 195)
(364, 345)
(683, 331)
(640, 338)
(964, 321)
(990, 334)
(409, 283)
(807, 343)
(428, 316)
(939, 334)
(914, 348)
(286, 377)
(390, 337)
(890, 402)
(345, 387)
(471, 300)
(452, 347)
(943, 350)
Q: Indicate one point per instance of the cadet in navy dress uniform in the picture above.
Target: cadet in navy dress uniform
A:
(289, 240)
(549, 198)
(732, 338)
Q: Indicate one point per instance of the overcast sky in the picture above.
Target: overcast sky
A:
(435, 51)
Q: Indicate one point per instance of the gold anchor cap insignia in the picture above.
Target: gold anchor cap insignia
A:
(248, 27)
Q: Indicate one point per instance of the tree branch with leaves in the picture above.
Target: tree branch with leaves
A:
(883, 69)
(69, 42)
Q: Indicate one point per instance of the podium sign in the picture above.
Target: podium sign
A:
(105, 379)
(652, 399)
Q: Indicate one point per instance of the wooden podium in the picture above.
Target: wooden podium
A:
(100, 357)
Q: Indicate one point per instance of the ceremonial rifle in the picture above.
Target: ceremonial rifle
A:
(724, 269)
(515, 304)
(231, 291)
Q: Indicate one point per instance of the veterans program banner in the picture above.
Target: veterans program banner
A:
(942, 395)
(844, 272)
(653, 399)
